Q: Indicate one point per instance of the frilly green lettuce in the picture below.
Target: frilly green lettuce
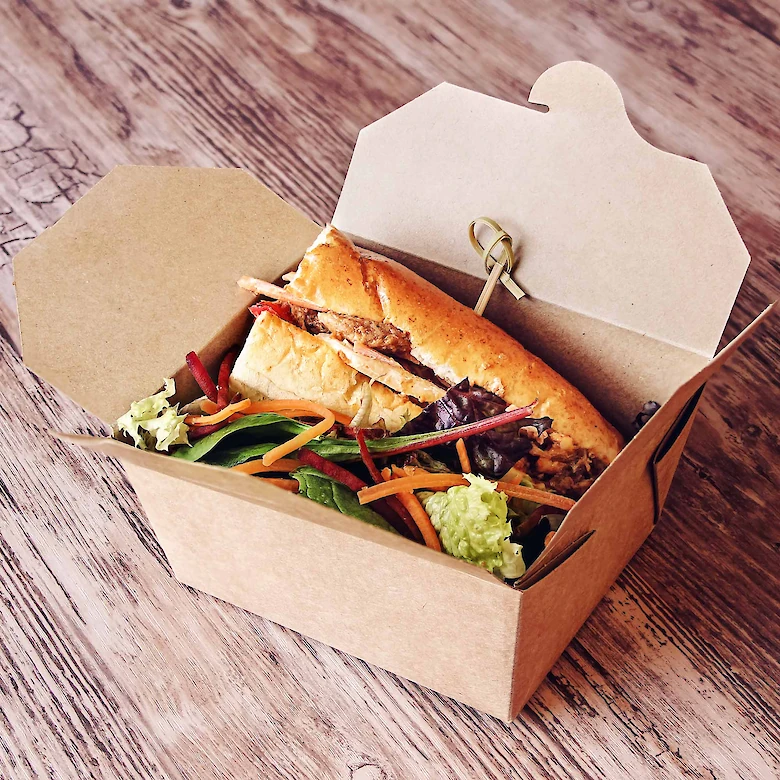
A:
(152, 423)
(472, 524)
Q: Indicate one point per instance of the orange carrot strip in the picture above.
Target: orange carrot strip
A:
(300, 440)
(284, 484)
(421, 518)
(208, 407)
(463, 456)
(417, 482)
(223, 414)
(294, 404)
(257, 466)
(537, 496)
(422, 481)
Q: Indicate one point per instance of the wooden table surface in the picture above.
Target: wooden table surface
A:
(110, 668)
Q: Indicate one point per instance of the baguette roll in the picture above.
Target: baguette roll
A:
(445, 336)
(280, 361)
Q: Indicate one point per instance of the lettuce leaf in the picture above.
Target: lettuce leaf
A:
(492, 453)
(325, 490)
(152, 423)
(472, 524)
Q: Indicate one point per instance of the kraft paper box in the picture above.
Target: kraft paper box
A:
(632, 264)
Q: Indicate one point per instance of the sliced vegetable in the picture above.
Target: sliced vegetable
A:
(463, 456)
(281, 310)
(301, 439)
(284, 484)
(537, 496)
(223, 414)
(412, 504)
(209, 407)
(327, 490)
(330, 447)
(393, 446)
(201, 376)
(422, 481)
(297, 406)
(333, 470)
(257, 466)
(392, 501)
(368, 461)
(223, 378)
(202, 431)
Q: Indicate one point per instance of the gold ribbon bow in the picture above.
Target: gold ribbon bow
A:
(497, 268)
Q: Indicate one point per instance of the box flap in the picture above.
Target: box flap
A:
(626, 487)
(607, 225)
(261, 493)
(142, 270)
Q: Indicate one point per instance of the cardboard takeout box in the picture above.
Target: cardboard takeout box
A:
(632, 264)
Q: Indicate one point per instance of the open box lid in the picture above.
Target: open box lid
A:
(608, 225)
(142, 270)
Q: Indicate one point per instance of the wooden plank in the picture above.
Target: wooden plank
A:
(112, 669)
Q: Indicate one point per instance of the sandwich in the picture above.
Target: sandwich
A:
(345, 321)
(367, 389)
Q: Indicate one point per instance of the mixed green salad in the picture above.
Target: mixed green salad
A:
(450, 479)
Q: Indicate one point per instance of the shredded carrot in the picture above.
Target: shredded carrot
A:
(537, 496)
(298, 406)
(223, 414)
(422, 481)
(208, 407)
(413, 506)
(463, 456)
(258, 467)
(301, 439)
(284, 484)
(420, 516)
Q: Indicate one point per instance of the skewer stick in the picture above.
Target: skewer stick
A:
(498, 268)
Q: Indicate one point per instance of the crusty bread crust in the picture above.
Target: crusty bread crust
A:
(447, 336)
(280, 361)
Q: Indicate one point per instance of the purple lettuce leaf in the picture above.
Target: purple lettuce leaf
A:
(492, 454)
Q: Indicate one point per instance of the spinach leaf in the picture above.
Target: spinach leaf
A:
(325, 490)
(271, 424)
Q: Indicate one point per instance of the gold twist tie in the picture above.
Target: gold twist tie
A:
(497, 268)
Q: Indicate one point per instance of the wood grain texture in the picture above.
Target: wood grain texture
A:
(110, 668)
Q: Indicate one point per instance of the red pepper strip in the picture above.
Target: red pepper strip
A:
(393, 501)
(199, 431)
(366, 456)
(201, 376)
(462, 431)
(224, 376)
(354, 483)
(281, 310)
